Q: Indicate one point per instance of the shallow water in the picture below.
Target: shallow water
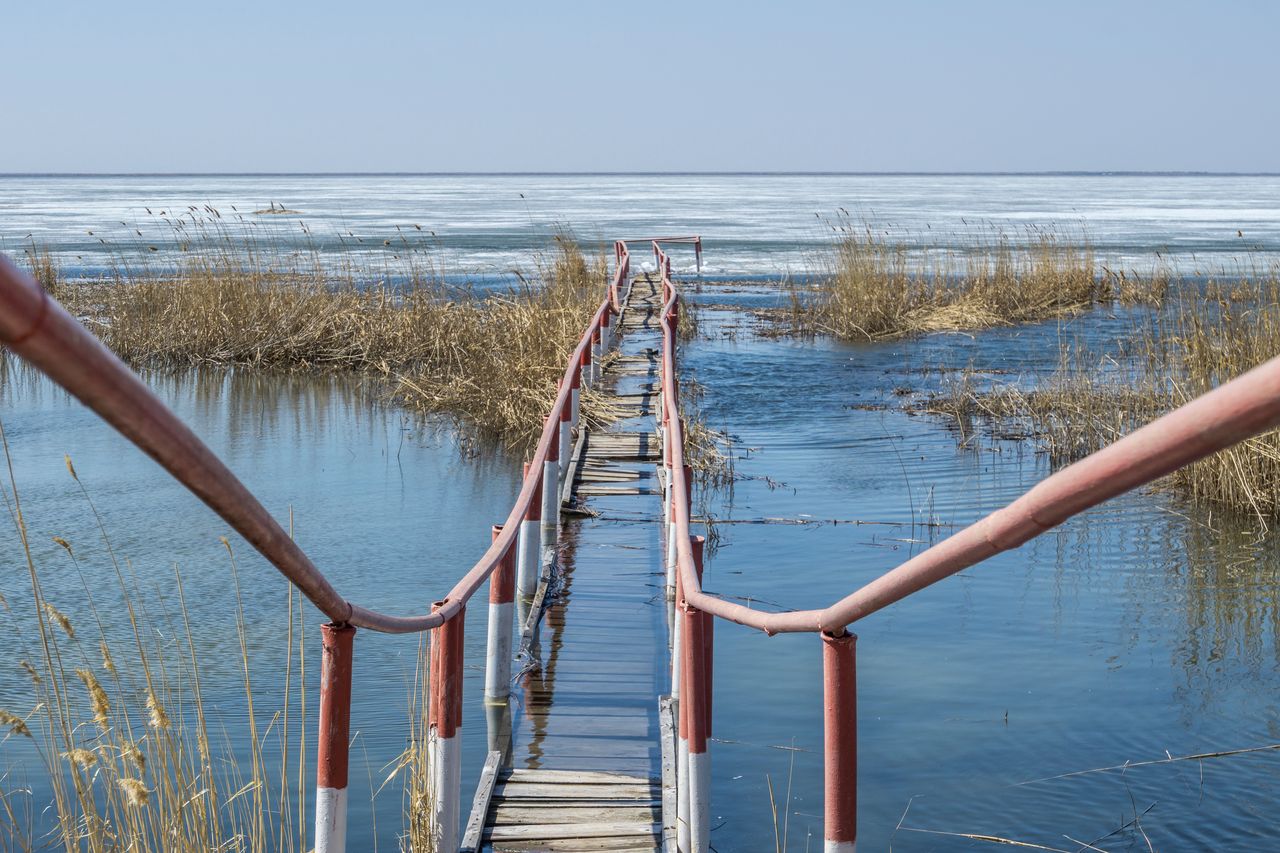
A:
(392, 509)
(1140, 629)
(480, 227)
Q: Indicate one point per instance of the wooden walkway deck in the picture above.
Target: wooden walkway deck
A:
(586, 766)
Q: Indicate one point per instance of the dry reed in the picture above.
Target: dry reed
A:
(491, 361)
(1208, 334)
(118, 720)
(874, 289)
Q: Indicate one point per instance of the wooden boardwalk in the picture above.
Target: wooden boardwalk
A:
(586, 765)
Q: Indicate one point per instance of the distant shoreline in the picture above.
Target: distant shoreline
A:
(642, 174)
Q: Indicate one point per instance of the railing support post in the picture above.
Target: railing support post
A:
(840, 742)
(565, 451)
(530, 555)
(671, 521)
(693, 708)
(497, 671)
(550, 501)
(444, 741)
(575, 398)
(335, 728)
(597, 353)
(585, 365)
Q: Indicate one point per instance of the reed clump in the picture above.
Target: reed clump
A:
(875, 290)
(491, 361)
(115, 716)
(1208, 334)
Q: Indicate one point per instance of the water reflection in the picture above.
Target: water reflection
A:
(1142, 626)
(392, 508)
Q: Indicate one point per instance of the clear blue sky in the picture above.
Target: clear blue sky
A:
(279, 85)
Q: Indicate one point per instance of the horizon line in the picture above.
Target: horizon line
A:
(656, 173)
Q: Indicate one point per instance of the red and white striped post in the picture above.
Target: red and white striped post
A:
(575, 397)
(693, 709)
(550, 501)
(565, 450)
(497, 671)
(444, 741)
(335, 728)
(528, 561)
(679, 688)
(840, 742)
(585, 365)
(671, 522)
(597, 353)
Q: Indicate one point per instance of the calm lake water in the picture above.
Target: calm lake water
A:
(1141, 629)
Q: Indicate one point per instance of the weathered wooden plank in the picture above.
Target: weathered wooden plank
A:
(480, 807)
(575, 467)
(579, 845)
(547, 805)
(508, 815)
(666, 720)
(527, 774)
(515, 790)
(529, 832)
(614, 491)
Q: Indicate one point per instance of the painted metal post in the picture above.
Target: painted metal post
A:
(840, 742)
(550, 501)
(597, 351)
(575, 398)
(586, 365)
(444, 740)
(671, 524)
(335, 729)
(682, 748)
(497, 670)
(597, 354)
(693, 703)
(529, 560)
(565, 449)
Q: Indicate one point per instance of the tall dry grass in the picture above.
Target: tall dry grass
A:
(1208, 334)
(491, 361)
(118, 720)
(873, 289)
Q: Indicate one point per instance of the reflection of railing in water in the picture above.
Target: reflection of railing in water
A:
(34, 326)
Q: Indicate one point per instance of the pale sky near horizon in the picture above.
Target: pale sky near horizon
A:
(282, 85)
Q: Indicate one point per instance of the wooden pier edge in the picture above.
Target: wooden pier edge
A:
(667, 729)
(474, 837)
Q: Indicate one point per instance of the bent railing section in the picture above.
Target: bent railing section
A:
(34, 326)
(1244, 407)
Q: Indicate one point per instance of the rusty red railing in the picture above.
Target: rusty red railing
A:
(1241, 408)
(36, 327)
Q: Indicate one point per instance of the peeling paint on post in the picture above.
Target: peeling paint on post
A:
(530, 549)
(840, 742)
(335, 728)
(497, 673)
(444, 737)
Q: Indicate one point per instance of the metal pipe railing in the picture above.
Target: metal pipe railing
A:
(1235, 411)
(37, 328)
